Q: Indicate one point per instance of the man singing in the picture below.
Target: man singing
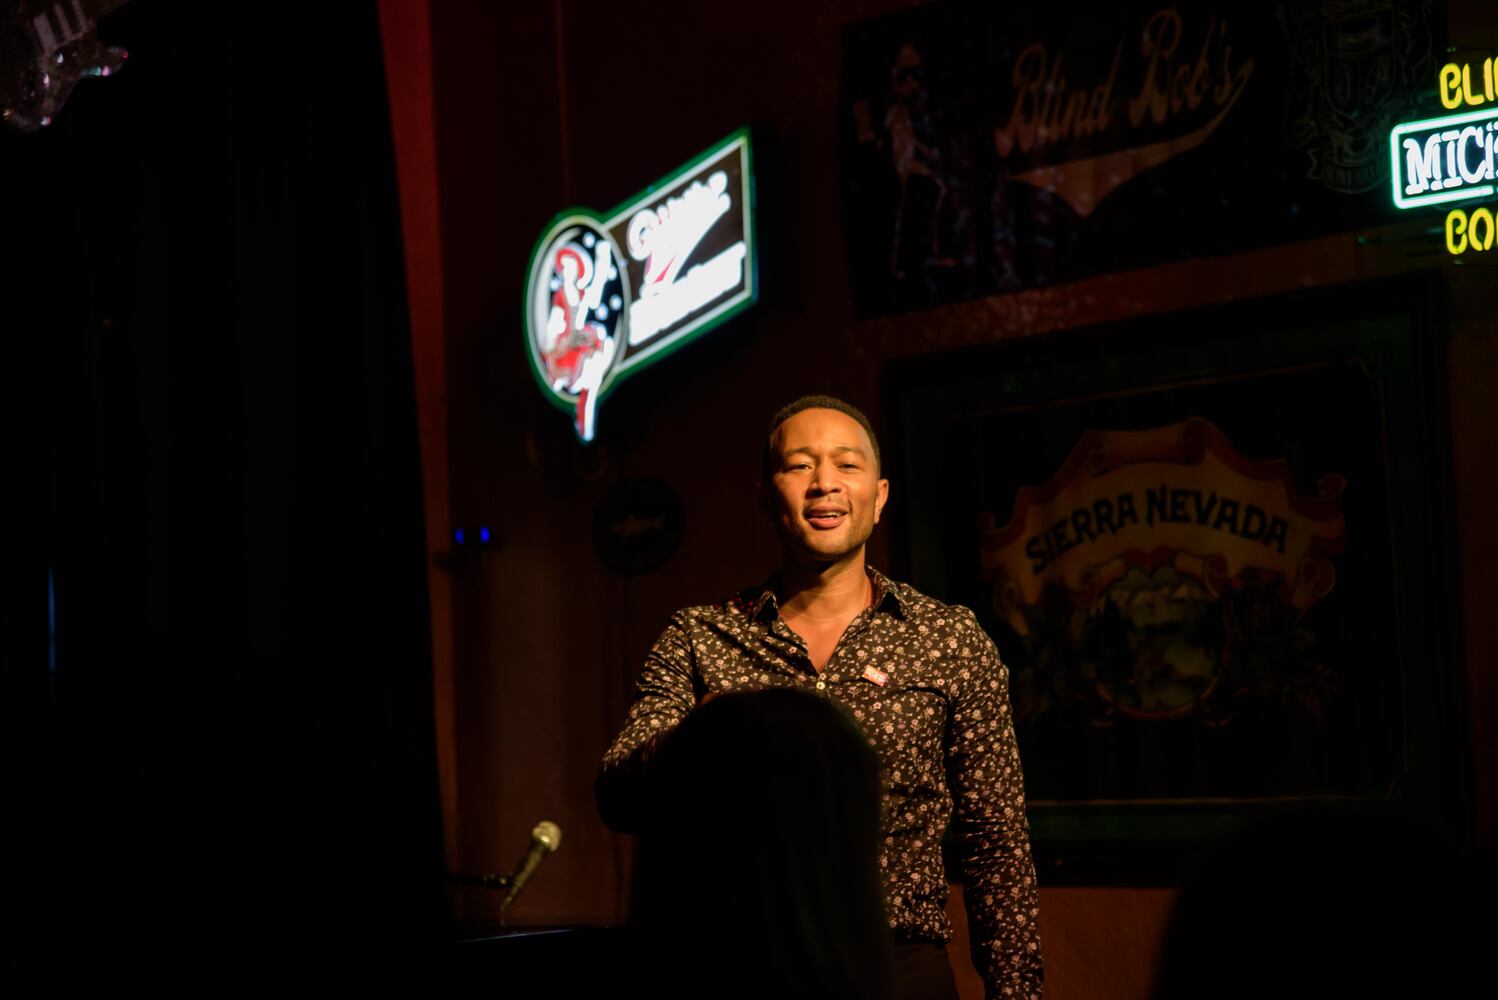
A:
(920, 678)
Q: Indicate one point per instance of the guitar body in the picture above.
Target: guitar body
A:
(46, 47)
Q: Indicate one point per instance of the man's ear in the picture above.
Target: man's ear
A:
(880, 499)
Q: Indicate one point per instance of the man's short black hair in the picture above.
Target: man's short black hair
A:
(771, 460)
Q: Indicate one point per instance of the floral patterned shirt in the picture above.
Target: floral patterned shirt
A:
(927, 687)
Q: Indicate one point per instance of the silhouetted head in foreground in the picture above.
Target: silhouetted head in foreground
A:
(757, 873)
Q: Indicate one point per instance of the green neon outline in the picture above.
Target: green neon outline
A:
(1396, 174)
(695, 328)
(559, 222)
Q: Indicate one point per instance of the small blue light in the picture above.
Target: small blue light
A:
(484, 535)
(459, 536)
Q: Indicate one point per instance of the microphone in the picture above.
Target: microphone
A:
(545, 838)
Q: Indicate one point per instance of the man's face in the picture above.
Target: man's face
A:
(825, 494)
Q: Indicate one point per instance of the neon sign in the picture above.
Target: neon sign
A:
(1443, 159)
(1456, 85)
(607, 297)
(1452, 158)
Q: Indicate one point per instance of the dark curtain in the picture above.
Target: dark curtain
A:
(216, 673)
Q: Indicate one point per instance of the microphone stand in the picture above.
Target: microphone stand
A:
(494, 880)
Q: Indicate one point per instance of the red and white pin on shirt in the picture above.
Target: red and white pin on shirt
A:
(876, 675)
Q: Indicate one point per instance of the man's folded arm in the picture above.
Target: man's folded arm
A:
(663, 697)
(993, 835)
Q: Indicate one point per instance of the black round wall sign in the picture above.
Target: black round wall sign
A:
(637, 526)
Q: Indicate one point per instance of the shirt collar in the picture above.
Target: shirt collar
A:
(887, 596)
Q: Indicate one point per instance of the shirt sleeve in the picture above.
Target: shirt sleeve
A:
(992, 833)
(664, 696)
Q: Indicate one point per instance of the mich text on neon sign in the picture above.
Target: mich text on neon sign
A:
(1444, 159)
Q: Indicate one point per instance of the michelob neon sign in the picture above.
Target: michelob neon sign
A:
(608, 296)
(1452, 158)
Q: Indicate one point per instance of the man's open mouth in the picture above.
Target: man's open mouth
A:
(824, 519)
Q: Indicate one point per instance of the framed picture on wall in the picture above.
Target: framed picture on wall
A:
(1212, 550)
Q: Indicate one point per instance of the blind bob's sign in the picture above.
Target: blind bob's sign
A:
(608, 295)
(1453, 158)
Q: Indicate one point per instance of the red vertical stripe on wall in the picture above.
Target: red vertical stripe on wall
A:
(405, 29)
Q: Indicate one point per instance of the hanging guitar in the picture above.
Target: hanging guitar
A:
(46, 47)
